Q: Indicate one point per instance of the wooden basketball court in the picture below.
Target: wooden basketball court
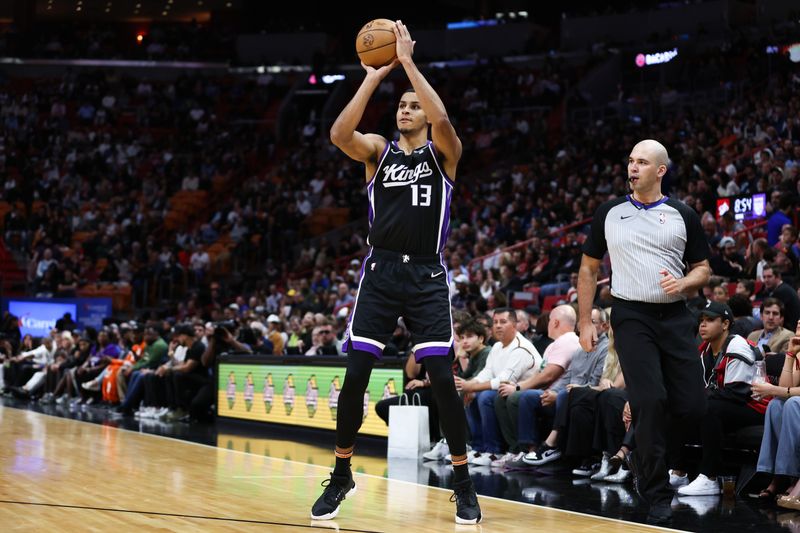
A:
(65, 475)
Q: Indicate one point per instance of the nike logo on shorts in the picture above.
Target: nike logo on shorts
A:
(623, 218)
(437, 274)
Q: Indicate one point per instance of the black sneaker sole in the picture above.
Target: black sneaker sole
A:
(333, 513)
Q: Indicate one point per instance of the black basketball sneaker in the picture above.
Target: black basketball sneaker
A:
(337, 488)
(467, 509)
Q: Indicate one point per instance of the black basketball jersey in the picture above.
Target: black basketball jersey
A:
(409, 202)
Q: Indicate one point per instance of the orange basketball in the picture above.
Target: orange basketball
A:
(375, 43)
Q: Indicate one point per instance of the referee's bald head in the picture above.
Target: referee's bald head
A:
(655, 150)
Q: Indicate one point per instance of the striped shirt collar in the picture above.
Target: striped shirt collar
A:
(640, 205)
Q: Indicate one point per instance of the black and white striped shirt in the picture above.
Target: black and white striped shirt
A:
(642, 240)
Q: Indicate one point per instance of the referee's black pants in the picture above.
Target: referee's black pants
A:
(664, 380)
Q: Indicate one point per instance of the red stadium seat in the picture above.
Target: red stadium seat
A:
(732, 288)
(522, 299)
(551, 301)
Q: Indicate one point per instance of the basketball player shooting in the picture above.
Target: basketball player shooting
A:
(409, 185)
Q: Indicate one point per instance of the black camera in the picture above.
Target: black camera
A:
(220, 327)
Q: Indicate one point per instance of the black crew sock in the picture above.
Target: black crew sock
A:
(460, 473)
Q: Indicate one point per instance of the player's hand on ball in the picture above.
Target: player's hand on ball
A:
(405, 46)
(381, 72)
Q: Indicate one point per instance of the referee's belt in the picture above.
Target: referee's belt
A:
(651, 307)
(402, 257)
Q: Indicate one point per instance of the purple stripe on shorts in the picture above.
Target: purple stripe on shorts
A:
(431, 350)
(367, 347)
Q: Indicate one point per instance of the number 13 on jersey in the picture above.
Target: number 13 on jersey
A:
(425, 197)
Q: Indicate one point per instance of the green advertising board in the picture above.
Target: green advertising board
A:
(298, 394)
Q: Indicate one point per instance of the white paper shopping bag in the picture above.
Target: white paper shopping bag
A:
(409, 435)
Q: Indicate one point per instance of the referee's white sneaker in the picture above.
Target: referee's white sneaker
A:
(701, 486)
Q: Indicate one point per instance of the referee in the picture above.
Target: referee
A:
(659, 256)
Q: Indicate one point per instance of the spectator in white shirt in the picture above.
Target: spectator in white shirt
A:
(512, 358)
(199, 263)
(535, 397)
(44, 263)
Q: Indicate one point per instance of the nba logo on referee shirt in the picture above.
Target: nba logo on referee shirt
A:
(662, 218)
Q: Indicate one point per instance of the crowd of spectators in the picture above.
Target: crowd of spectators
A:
(103, 156)
(94, 160)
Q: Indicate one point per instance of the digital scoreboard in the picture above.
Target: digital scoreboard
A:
(743, 206)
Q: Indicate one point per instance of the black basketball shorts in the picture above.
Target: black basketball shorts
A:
(395, 285)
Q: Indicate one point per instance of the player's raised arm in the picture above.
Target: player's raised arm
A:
(444, 135)
(359, 146)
